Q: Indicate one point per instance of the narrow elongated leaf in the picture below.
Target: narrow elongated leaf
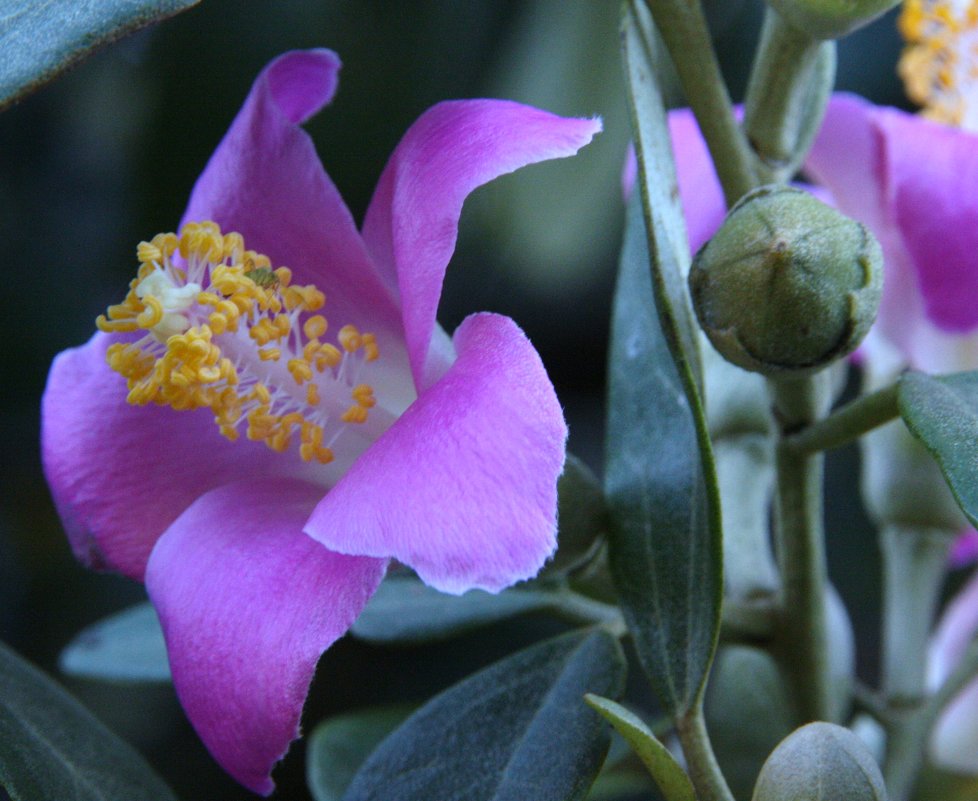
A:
(128, 646)
(339, 746)
(405, 611)
(665, 545)
(942, 411)
(51, 747)
(38, 40)
(661, 764)
(662, 209)
(517, 730)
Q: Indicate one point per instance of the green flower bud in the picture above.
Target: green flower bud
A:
(830, 19)
(817, 762)
(788, 284)
(748, 712)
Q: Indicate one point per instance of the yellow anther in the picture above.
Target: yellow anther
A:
(312, 394)
(148, 252)
(270, 354)
(315, 326)
(208, 374)
(153, 313)
(349, 338)
(370, 350)
(363, 394)
(115, 326)
(300, 369)
(324, 455)
(284, 275)
(355, 414)
(283, 324)
(328, 356)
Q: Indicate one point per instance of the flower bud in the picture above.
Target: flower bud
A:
(788, 284)
(830, 19)
(817, 762)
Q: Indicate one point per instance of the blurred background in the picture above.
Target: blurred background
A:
(106, 156)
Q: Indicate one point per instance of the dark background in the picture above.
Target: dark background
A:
(106, 156)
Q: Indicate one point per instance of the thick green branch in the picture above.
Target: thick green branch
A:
(805, 637)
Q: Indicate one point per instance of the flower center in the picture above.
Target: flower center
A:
(223, 330)
(939, 67)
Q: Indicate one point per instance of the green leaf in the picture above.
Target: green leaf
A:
(657, 185)
(128, 646)
(517, 730)
(665, 541)
(38, 40)
(942, 411)
(339, 746)
(51, 747)
(662, 765)
(405, 611)
(582, 518)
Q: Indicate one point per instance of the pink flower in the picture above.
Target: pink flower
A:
(390, 441)
(914, 183)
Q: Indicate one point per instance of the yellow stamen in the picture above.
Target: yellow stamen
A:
(218, 325)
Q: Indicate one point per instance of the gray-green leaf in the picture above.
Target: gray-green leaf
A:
(51, 747)
(128, 646)
(661, 764)
(942, 411)
(339, 746)
(38, 40)
(517, 730)
(405, 611)
(660, 483)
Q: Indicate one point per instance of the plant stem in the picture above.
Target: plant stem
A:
(684, 31)
(848, 423)
(703, 768)
(914, 565)
(789, 87)
(798, 402)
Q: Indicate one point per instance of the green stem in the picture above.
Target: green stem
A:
(847, 424)
(703, 768)
(798, 402)
(684, 31)
(914, 565)
(788, 90)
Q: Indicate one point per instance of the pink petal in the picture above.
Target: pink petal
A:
(849, 157)
(958, 625)
(463, 486)
(703, 204)
(412, 222)
(248, 604)
(121, 474)
(964, 552)
(954, 741)
(266, 182)
(932, 172)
